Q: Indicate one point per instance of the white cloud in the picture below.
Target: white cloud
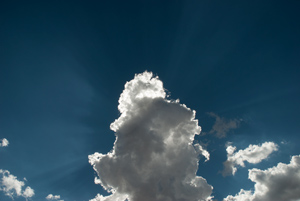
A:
(28, 192)
(4, 142)
(153, 158)
(53, 197)
(222, 125)
(201, 151)
(252, 154)
(243, 195)
(279, 183)
(11, 186)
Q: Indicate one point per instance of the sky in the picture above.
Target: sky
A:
(149, 100)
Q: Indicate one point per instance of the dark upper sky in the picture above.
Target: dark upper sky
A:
(63, 65)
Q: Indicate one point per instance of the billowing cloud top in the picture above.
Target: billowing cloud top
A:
(252, 154)
(4, 142)
(153, 158)
(279, 183)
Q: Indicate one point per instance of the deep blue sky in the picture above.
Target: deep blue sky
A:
(63, 65)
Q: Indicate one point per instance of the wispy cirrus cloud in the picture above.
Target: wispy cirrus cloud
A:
(252, 154)
(153, 158)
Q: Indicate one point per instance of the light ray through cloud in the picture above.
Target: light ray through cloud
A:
(63, 67)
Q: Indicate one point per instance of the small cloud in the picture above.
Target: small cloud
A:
(201, 151)
(222, 126)
(12, 187)
(4, 142)
(28, 192)
(53, 197)
(154, 156)
(253, 154)
(281, 182)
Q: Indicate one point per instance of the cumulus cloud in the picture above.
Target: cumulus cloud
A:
(11, 186)
(28, 192)
(281, 182)
(154, 157)
(243, 195)
(222, 125)
(252, 154)
(53, 197)
(4, 142)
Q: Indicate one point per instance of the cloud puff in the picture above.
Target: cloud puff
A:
(252, 154)
(222, 126)
(11, 186)
(201, 151)
(53, 197)
(4, 142)
(281, 182)
(153, 158)
(28, 192)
